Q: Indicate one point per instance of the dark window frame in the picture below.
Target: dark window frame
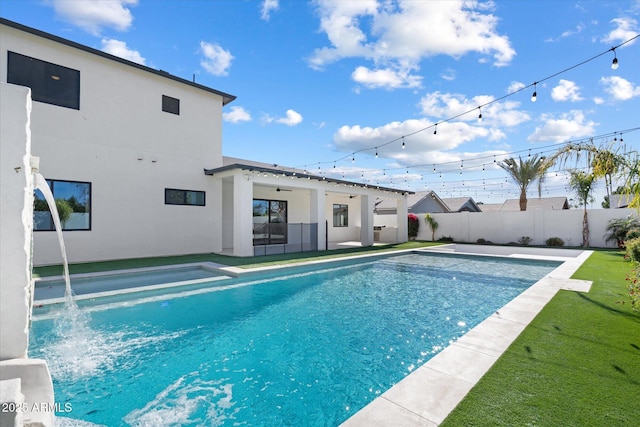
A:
(270, 240)
(337, 207)
(185, 199)
(170, 105)
(52, 185)
(50, 83)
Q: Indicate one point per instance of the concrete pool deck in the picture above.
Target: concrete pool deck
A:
(431, 392)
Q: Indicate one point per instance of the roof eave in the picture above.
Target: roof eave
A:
(296, 174)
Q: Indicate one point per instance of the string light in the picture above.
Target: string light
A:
(479, 115)
(614, 63)
(403, 146)
(498, 99)
(435, 130)
(534, 96)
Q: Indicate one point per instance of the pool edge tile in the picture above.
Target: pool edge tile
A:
(385, 413)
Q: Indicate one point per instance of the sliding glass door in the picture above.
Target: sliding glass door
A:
(269, 222)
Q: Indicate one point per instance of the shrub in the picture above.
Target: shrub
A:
(524, 240)
(617, 229)
(632, 234)
(634, 283)
(554, 241)
(633, 249)
(413, 226)
(445, 239)
(484, 242)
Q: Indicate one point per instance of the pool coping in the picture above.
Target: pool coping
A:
(427, 396)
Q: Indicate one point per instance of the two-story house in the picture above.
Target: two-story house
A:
(136, 155)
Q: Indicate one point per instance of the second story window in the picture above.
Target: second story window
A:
(170, 105)
(49, 83)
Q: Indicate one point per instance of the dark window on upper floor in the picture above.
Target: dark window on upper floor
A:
(49, 83)
(170, 105)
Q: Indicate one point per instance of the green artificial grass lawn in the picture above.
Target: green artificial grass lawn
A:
(576, 364)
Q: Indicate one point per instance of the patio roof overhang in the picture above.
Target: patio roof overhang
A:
(294, 173)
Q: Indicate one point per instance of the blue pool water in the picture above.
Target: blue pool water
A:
(307, 348)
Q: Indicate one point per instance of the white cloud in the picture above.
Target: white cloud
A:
(447, 105)
(93, 15)
(292, 118)
(236, 115)
(216, 61)
(448, 75)
(399, 34)
(568, 126)
(120, 49)
(566, 90)
(626, 28)
(384, 78)
(268, 6)
(515, 86)
(620, 89)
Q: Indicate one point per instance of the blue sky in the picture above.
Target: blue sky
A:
(324, 85)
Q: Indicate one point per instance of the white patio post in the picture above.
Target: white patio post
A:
(318, 215)
(403, 211)
(216, 200)
(366, 221)
(242, 215)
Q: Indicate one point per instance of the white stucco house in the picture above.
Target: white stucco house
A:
(137, 155)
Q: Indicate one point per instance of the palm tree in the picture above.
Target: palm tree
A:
(526, 172)
(582, 184)
(605, 162)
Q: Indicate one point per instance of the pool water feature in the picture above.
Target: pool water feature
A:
(305, 348)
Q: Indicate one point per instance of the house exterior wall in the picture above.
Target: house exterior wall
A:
(352, 231)
(122, 142)
(539, 224)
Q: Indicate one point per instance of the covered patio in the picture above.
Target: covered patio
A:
(265, 209)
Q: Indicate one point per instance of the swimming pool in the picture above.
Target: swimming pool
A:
(303, 348)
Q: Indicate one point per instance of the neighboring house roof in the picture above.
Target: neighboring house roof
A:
(226, 98)
(461, 204)
(231, 163)
(513, 205)
(427, 202)
(491, 207)
(617, 201)
(384, 205)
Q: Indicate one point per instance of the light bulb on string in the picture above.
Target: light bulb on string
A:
(534, 96)
(435, 130)
(614, 63)
(479, 115)
(376, 152)
(403, 145)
